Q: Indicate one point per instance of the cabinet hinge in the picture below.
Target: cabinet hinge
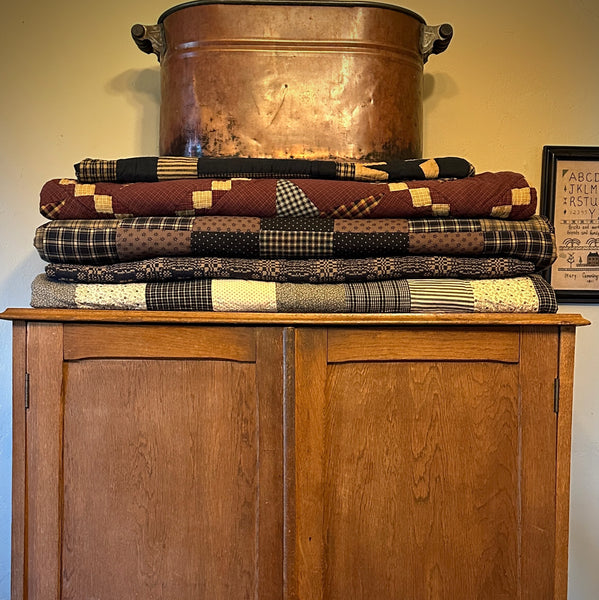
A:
(26, 391)
(556, 395)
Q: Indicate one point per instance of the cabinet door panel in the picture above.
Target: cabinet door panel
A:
(170, 475)
(422, 488)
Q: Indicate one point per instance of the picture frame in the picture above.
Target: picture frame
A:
(570, 200)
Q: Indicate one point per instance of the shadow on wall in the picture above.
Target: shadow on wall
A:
(141, 88)
(438, 88)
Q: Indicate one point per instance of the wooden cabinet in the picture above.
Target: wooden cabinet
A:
(233, 456)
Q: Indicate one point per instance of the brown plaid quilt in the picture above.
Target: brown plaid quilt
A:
(516, 294)
(161, 168)
(503, 195)
(103, 241)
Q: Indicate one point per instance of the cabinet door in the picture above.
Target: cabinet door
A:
(425, 463)
(154, 462)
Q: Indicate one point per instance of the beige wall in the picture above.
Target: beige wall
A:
(517, 76)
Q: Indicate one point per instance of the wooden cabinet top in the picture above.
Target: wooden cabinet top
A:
(319, 319)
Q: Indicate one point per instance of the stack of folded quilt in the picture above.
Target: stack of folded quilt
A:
(292, 235)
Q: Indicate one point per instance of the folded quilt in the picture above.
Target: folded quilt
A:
(160, 168)
(503, 195)
(519, 294)
(106, 241)
(316, 270)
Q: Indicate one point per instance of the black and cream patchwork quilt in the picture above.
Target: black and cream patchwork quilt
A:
(316, 270)
(106, 241)
(161, 168)
(529, 294)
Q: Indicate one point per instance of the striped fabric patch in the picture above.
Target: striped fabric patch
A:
(441, 295)
(173, 167)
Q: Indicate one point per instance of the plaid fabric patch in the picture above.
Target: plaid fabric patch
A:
(545, 293)
(378, 297)
(534, 223)
(92, 170)
(291, 244)
(362, 208)
(90, 242)
(345, 170)
(535, 246)
(185, 295)
(293, 202)
(171, 223)
(444, 225)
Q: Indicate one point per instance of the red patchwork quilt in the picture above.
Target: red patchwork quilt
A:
(501, 195)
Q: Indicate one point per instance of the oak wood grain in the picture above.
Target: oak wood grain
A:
(84, 340)
(19, 436)
(239, 318)
(564, 436)
(270, 372)
(310, 398)
(300, 457)
(421, 495)
(44, 476)
(161, 480)
(419, 343)
(289, 468)
(538, 428)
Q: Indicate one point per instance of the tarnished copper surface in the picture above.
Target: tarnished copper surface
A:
(272, 80)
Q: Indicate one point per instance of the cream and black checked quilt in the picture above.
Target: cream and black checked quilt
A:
(516, 294)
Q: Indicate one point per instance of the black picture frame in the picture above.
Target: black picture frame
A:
(570, 200)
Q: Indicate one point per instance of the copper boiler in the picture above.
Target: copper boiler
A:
(282, 79)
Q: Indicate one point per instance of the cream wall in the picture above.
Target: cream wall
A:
(517, 76)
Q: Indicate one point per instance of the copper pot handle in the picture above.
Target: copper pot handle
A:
(435, 39)
(149, 38)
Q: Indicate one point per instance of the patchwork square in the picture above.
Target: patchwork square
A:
(103, 204)
(458, 243)
(225, 243)
(179, 295)
(84, 189)
(227, 224)
(231, 295)
(521, 196)
(291, 201)
(201, 199)
(133, 244)
(378, 296)
(501, 212)
(371, 226)
(351, 245)
(430, 168)
(295, 244)
(421, 197)
(296, 224)
(398, 186)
